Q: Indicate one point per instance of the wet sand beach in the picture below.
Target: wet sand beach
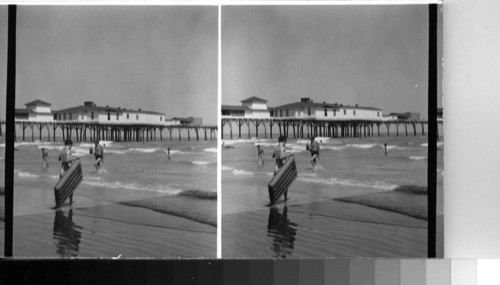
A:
(120, 224)
(322, 229)
(140, 204)
(357, 203)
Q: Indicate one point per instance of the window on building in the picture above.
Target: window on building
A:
(345, 112)
(161, 118)
(109, 116)
(64, 116)
(128, 116)
(309, 111)
(117, 116)
(378, 114)
(137, 117)
(59, 116)
(354, 112)
(326, 112)
(281, 113)
(334, 112)
(70, 116)
(287, 114)
(92, 115)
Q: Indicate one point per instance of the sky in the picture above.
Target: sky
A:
(157, 58)
(374, 56)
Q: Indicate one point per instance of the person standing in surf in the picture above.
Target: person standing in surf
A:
(385, 148)
(260, 155)
(98, 155)
(280, 156)
(314, 149)
(168, 153)
(66, 160)
(45, 155)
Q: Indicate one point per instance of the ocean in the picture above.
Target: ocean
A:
(315, 211)
(139, 204)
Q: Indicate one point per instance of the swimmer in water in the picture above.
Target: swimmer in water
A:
(98, 155)
(314, 149)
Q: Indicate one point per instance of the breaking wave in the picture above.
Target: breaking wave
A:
(203, 162)
(157, 188)
(417, 157)
(348, 182)
(212, 149)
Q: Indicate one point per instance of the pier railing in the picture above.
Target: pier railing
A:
(302, 128)
(91, 131)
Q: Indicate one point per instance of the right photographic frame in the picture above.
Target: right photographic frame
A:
(331, 127)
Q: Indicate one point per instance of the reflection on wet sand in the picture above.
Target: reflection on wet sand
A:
(67, 234)
(282, 231)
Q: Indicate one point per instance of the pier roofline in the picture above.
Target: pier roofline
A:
(256, 108)
(90, 106)
(89, 112)
(323, 105)
(38, 102)
(253, 99)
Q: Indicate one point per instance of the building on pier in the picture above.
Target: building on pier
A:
(89, 112)
(90, 122)
(35, 111)
(408, 116)
(189, 121)
(307, 109)
(256, 108)
(389, 118)
(253, 107)
(305, 118)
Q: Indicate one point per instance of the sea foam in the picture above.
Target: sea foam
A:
(164, 189)
(25, 174)
(362, 146)
(212, 149)
(202, 162)
(348, 182)
(438, 144)
(144, 150)
(417, 157)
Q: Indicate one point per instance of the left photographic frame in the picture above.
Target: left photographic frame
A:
(115, 149)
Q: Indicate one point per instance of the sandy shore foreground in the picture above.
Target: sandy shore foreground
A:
(108, 223)
(323, 229)
(383, 224)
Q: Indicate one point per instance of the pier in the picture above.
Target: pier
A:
(84, 131)
(302, 128)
